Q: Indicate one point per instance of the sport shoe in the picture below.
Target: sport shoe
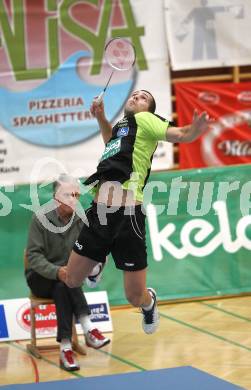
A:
(95, 339)
(150, 320)
(68, 361)
(94, 278)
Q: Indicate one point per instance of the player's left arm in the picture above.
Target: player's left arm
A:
(189, 133)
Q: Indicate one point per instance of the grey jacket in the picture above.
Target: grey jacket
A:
(48, 251)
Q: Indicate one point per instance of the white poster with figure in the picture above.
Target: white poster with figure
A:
(15, 317)
(208, 33)
(52, 65)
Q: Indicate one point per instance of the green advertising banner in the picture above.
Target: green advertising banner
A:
(198, 235)
(199, 244)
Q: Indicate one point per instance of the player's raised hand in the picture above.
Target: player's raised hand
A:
(200, 122)
(97, 108)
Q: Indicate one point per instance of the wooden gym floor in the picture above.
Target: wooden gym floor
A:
(213, 336)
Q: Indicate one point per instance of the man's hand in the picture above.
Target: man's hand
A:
(200, 124)
(62, 274)
(97, 108)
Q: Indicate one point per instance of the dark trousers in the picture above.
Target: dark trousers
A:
(68, 301)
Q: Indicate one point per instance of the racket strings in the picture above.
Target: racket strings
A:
(120, 54)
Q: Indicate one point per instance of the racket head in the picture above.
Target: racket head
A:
(120, 54)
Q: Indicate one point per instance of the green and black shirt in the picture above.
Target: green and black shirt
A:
(127, 157)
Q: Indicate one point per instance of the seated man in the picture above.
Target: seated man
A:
(50, 241)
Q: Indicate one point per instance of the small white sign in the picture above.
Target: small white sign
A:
(15, 317)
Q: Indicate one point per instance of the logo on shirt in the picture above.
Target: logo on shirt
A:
(123, 132)
(123, 122)
(78, 245)
(112, 148)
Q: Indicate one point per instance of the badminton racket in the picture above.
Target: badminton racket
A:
(120, 55)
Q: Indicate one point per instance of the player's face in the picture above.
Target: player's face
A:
(139, 101)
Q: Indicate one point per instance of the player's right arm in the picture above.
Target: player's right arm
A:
(97, 110)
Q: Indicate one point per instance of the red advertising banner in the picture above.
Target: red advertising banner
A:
(228, 141)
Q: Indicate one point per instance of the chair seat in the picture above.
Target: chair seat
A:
(44, 301)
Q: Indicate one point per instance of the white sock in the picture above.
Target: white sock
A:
(148, 307)
(86, 323)
(65, 344)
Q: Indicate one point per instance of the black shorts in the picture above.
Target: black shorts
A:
(119, 231)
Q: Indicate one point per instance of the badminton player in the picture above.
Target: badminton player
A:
(117, 218)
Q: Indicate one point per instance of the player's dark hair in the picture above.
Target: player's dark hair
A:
(152, 105)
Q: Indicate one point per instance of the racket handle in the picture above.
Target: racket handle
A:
(100, 97)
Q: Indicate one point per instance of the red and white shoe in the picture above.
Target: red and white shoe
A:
(67, 360)
(95, 339)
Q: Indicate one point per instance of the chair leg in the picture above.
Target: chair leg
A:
(79, 348)
(32, 348)
(33, 325)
